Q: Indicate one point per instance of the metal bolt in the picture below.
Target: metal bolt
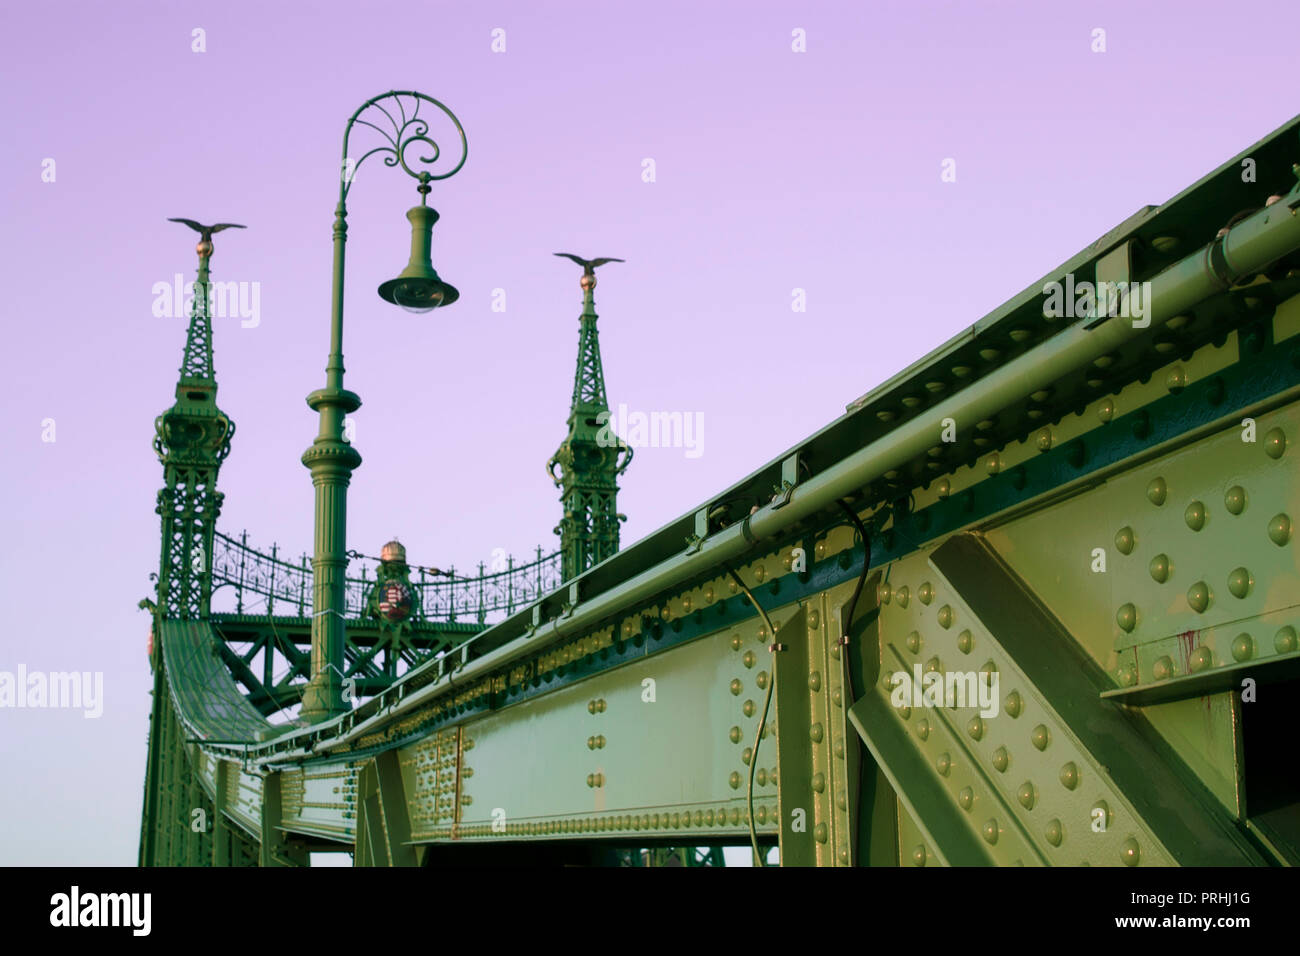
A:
(1105, 811)
(1130, 852)
(1001, 760)
(1239, 582)
(1163, 668)
(1040, 737)
(1027, 795)
(1055, 833)
(1279, 529)
(1285, 640)
(1275, 443)
(1157, 491)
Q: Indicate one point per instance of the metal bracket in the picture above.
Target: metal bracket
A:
(1115, 267)
(696, 541)
(567, 610)
(789, 478)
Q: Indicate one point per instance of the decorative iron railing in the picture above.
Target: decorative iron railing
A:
(248, 581)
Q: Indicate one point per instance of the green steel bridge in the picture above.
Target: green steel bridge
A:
(1034, 600)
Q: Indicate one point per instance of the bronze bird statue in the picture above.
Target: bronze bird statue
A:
(204, 247)
(588, 280)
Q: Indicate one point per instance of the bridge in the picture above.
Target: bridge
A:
(1032, 601)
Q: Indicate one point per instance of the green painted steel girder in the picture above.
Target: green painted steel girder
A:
(623, 711)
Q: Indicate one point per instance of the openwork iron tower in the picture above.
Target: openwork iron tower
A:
(192, 439)
(591, 457)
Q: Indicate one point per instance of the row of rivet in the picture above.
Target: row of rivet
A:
(647, 821)
(1242, 648)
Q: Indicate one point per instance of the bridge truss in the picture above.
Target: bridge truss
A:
(1091, 517)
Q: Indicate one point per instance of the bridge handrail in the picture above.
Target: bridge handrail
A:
(268, 578)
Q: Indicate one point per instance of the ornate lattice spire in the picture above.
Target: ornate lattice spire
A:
(589, 380)
(196, 363)
(191, 440)
(591, 457)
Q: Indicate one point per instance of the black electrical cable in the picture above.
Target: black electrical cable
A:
(846, 624)
(850, 695)
(762, 720)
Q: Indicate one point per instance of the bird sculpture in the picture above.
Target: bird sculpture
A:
(204, 248)
(588, 280)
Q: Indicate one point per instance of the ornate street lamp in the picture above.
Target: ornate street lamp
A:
(331, 459)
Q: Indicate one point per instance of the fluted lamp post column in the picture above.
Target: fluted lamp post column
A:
(331, 459)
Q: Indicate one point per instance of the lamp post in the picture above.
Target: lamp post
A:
(330, 459)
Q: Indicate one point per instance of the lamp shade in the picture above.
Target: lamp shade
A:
(417, 288)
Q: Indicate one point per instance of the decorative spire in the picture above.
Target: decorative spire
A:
(191, 440)
(589, 457)
(196, 364)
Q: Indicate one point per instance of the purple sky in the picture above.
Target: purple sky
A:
(775, 170)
